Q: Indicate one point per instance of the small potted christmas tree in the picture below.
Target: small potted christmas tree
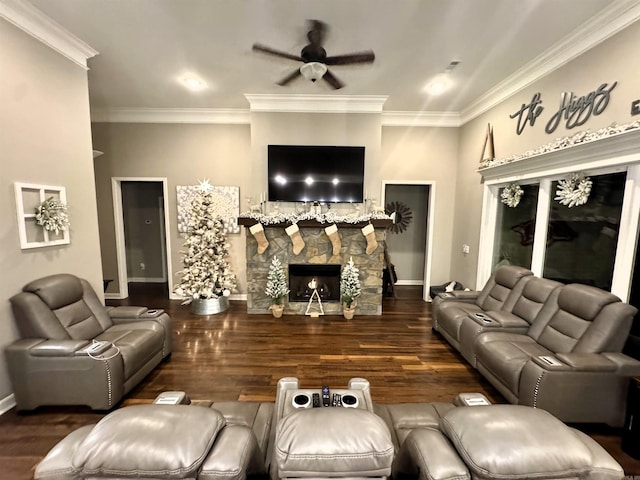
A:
(276, 287)
(206, 280)
(349, 289)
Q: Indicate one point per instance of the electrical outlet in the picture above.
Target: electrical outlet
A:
(142, 266)
(465, 248)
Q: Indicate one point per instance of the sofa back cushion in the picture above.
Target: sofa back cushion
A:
(535, 293)
(503, 288)
(581, 319)
(59, 307)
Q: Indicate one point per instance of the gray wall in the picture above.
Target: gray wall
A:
(184, 154)
(613, 60)
(407, 249)
(45, 138)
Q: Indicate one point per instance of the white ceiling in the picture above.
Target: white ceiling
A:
(146, 45)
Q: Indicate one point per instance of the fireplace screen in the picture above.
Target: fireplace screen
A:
(303, 279)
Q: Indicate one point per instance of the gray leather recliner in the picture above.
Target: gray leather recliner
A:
(59, 317)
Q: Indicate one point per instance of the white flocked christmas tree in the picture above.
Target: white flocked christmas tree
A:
(206, 271)
(349, 283)
(276, 282)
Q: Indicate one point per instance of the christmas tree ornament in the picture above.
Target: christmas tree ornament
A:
(294, 233)
(334, 236)
(257, 231)
(370, 234)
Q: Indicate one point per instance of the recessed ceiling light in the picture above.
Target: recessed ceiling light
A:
(193, 83)
(438, 85)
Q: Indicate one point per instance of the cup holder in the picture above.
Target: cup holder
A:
(301, 400)
(349, 401)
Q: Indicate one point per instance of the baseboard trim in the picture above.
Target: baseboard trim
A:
(147, 279)
(113, 296)
(7, 403)
(410, 282)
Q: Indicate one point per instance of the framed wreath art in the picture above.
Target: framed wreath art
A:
(511, 195)
(43, 218)
(403, 218)
(574, 190)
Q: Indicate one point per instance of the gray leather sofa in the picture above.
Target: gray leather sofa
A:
(552, 346)
(74, 351)
(428, 441)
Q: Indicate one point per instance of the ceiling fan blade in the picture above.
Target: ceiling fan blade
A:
(264, 49)
(358, 57)
(333, 80)
(292, 76)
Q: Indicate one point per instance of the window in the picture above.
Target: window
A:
(581, 241)
(513, 241)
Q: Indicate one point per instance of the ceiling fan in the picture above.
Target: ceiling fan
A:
(315, 58)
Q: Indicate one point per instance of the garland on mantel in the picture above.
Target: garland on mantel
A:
(564, 142)
(329, 217)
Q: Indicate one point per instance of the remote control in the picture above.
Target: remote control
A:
(337, 400)
(326, 401)
(316, 400)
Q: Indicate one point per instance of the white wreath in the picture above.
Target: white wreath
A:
(511, 195)
(574, 191)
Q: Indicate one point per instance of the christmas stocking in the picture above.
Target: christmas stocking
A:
(294, 233)
(370, 234)
(258, 231)
(334, 236)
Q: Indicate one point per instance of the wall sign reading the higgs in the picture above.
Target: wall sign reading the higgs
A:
(574, 111)
(577, 110)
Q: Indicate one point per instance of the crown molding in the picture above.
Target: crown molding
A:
(316, 103)
(420, 119)
(32, 21)
(171, 115)
(615, 17)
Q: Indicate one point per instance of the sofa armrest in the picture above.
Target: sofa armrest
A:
(58, 348)
(508, 320)
(459, 296)
(126, 312)
(587, 362)
(626, 365)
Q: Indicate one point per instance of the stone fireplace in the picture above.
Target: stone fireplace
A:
(317, 254)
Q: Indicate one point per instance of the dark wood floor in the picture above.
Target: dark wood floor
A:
(235, 356)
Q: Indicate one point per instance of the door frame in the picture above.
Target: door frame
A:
(118, 220)
(430, 221)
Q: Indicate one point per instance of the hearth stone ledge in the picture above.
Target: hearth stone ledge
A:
(318, 250)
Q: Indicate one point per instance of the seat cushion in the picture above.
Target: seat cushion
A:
(149, 441)
(333, 442)
(452, 314)
(138, 342)
(541, 446)
(504, 355)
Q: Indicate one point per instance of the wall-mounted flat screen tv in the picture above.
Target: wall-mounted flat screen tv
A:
(307, 173)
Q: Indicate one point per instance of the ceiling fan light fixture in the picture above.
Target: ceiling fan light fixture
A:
(313, 71)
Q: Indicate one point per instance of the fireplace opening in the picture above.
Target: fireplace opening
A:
(303, 278)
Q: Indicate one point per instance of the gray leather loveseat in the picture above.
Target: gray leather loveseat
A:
(74, 351)
(544, 344)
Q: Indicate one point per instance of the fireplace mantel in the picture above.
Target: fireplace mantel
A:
(376, 222)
